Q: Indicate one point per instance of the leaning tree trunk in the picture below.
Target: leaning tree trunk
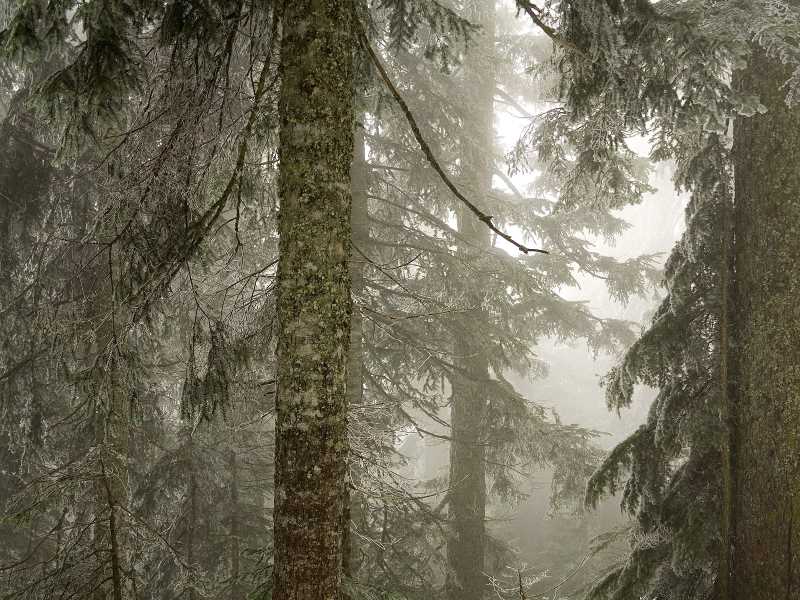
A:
(767, 443)
(313, 298)
(467, 497)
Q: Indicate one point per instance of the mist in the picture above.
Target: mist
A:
(399, 300)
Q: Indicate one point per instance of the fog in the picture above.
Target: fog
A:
(399, 300)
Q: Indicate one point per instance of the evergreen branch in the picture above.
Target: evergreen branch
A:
(426, 149)
(511, 101)
(569, 576)
(548, 31)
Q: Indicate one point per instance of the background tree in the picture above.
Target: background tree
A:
(139, 279)
(420, 274)
(132, 197)
(675, 84)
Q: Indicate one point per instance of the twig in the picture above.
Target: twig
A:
(569, 576)
(482, 216)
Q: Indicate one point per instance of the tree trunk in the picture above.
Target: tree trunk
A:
(236, 587)
(111, 438)
(767, 255)
(313, 298)
(191, 525)
(467, 496)
(355, 379)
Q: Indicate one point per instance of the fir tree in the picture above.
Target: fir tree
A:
(665, 69)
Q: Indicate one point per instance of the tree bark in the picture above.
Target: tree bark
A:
(467, 496)
(313, 298)
(767, 227)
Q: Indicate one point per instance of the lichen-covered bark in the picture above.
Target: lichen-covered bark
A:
(313, 298)
(767, 338)
(467, 496)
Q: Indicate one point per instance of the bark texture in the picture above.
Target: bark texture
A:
(767, 229)
(467, 500)
(313, 298)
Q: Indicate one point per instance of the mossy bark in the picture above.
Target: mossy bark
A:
(767, 341)
(467, 496)
(313, 298)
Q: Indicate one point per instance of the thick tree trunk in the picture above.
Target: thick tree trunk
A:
(767, 255)
(467, 496)
(313, 298)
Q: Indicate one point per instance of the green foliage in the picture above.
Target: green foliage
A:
(429, 22)
(427, 286)
(664, 69)
(159, 219)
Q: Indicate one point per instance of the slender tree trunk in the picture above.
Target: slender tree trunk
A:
(767, 255)
(110, 491)
(191, 526)
(236, 586)
(360, 225)
(313, 297)
(467, 497)
(355, 380)
(111, 438)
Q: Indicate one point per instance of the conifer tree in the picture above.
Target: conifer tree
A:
(666, 69)
(766, 404)
(466, 546)
(313, 298)
(422, 273)
(128, 201)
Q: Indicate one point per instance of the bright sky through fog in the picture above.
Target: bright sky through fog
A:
(655, 224)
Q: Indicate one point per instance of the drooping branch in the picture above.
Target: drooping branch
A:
(548, 31)
(426, 149)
